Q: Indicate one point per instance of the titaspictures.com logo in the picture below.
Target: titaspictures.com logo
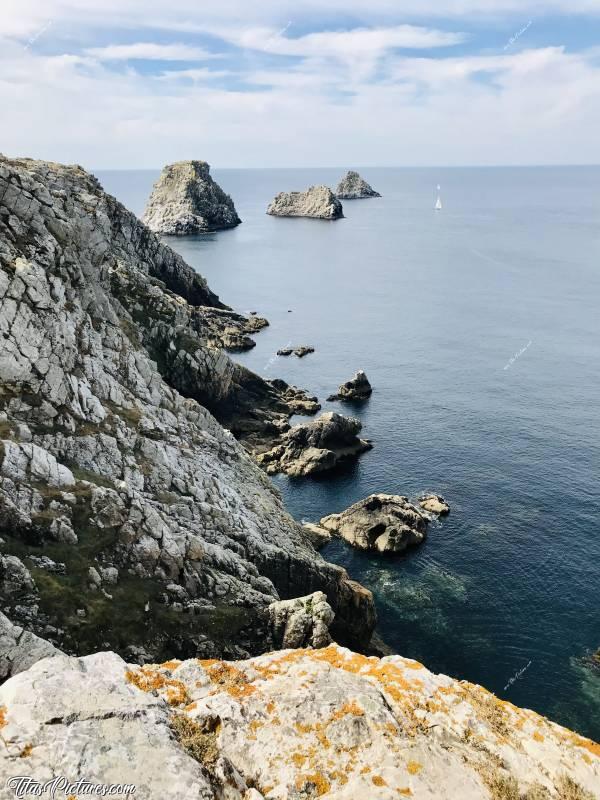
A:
(25, 786)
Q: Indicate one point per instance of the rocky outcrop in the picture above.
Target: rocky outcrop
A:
(353, 187)
(166, 537)
(301, 622)
(387, 523)
(315, 447)
(20, 649)
(318, 202)
(186, 200)
(301, 351)
(294, 724)
(435, 504)
(357, 388)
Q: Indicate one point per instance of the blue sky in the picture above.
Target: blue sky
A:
(132, 84)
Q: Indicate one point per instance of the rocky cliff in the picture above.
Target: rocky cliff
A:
(129, 518)
(318, 202)
(187, 200)
(291, 725)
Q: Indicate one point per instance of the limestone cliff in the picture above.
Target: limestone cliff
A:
(186, 200)
(291, 725)
(129, 518)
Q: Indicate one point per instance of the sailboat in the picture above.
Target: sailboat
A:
(438, 205)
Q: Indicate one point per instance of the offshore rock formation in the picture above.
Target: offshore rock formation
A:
(387, 523)
(356, 389)
(435, 504)
(186, 200)
(318, 202)
(301, 351)
(315, 447)
(129, 518)
(353, 187)
(288, 725)
(302, 622)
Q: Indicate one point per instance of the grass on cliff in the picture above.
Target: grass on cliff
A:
(199, 741)
(504, 787)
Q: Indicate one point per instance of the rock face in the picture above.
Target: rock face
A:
(356, 389)
(166, 537)
(20, 649)
(187, 200)
(318, 202)
(435, 504)
(301, 622)
(387, 523)
(294, 724)
(353, 187)
(316, 447)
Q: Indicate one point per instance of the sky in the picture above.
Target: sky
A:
(136, 84)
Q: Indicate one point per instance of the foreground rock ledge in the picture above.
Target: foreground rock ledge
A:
(293, 724)
(186, 200)
(318, 202)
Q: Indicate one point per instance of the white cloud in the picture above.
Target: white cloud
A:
(149, 50)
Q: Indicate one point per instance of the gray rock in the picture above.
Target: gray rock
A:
(287, 725)
(353, 187)
(318, 202)
(20, 649)
(386, 523)
(112, 357)
(186, 200)
(316, 447)
(301, 622)
(435, 504)
(356, 389)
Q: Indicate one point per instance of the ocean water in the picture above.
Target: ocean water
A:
(479, 329)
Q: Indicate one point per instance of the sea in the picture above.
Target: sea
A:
(479, 329)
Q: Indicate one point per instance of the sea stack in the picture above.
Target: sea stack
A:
(318, 202)
(353, 187)
(186, 200)
(356, 389)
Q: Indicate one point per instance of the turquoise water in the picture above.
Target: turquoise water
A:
(479, 330)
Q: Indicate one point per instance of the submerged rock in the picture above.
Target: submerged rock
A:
(187, 200)
(435, 504)
(387, 523)
(317, 201)
(296, 724)
(316, 447)
(353, 187)
(357, 388)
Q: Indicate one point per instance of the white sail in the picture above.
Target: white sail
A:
(438, 205)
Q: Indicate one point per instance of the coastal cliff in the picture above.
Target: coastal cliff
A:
(291, 725)
(129, 518)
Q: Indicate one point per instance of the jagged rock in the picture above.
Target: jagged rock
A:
(357, 388)
(110, 365)
(301, 622)
(318, 536)
(387, 523)
(20, 649)
(317, 201)
(435, 504)
(186, 200)
(303, 350)
(295, 724)
(315, 447)
(297, 400)
(353, 187)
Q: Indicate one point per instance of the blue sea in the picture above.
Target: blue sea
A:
(479, 328)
